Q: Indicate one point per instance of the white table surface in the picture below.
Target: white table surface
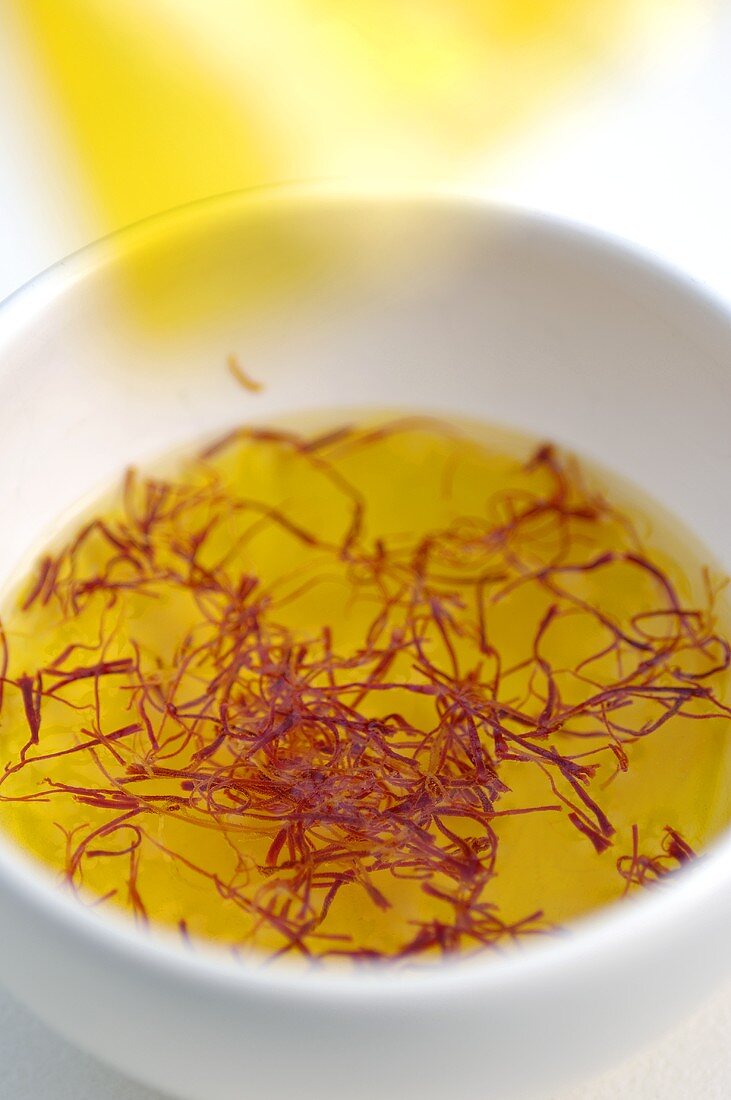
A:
(649, 159)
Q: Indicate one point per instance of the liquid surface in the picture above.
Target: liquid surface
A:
(385, 691)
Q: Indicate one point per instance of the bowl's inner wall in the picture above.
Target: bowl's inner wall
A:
(423, 305)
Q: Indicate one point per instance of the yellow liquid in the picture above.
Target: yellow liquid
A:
(247, 781)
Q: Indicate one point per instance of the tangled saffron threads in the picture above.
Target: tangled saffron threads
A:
(375, 692)
(643, 870)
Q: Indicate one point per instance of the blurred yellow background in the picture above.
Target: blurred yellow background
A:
(165, 101)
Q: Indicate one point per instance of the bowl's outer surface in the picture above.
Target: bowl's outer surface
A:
(349, 301)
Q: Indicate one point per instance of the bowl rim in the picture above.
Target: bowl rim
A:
(636, 922)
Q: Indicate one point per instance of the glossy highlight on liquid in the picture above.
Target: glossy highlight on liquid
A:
(382, 690)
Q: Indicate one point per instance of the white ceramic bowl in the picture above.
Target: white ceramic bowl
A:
(440, 303)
